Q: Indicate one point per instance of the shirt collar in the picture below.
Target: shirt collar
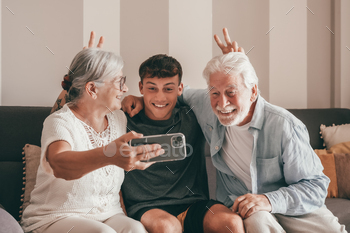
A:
(258, 115)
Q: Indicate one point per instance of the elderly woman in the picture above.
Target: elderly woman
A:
(85, 152)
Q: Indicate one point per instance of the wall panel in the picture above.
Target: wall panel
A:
(288, 53)
(38, 42)
(144, 32)
(190, 38)
(247, 22)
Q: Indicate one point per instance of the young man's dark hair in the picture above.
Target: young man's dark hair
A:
(161, 66)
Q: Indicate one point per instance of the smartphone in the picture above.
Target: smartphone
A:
(174, 146)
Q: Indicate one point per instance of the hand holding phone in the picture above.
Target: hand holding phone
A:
(174, 146)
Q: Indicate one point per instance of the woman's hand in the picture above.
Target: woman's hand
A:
(132, 105)
(128, 157)
(230, 46)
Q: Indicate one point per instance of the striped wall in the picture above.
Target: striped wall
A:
(299, 48)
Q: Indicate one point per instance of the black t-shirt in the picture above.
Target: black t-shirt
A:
(168, 183)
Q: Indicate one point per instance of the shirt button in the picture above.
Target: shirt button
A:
(210, 129)
(216, 148)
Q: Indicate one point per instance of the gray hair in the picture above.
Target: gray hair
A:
(236, 63)
(92, 65)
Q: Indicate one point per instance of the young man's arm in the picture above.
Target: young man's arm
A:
(63, 97)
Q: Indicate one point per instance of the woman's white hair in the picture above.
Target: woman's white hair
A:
(92, 65)
(234, 63)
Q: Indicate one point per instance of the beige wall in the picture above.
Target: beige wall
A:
(319, 51)
(247, 22)
(190, 37)
(0, 48)
(345, 54)
(300, 63)
(103, 17)
(31, 73)
(288, 53)
(144, 31)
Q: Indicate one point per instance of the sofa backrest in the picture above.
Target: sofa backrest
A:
(313, 118)
(22, 125)
(18, 126)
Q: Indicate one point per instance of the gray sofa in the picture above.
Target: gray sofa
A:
(22, 125)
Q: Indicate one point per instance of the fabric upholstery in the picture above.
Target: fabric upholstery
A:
(22, 125)
(8, 224)
(341, 208)
(32, 159)
(342, 164)
(19, 125)
(335, 134)
(313, 118)
(341, 148)
(328, 163)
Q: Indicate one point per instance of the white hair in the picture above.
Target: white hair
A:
(234, 63)
(92, 65)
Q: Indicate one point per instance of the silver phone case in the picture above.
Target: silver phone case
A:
(174, 146)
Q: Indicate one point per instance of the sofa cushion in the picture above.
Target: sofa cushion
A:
(343, 147)
(8, 224)
(335, 134)
(341, 209)
(32, 161)
(327, 160)
(342, 164)
(337, 169)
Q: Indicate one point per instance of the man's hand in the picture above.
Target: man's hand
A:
(230, 46)
(249, 204)
(92, 41)
(132, 105)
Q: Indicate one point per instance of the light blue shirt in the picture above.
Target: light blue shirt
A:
(284, 166)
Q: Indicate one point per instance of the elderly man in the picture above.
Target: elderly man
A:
(267, 171)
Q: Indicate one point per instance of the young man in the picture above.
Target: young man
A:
(172, 196)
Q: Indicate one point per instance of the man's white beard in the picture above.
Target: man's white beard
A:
(234, 118)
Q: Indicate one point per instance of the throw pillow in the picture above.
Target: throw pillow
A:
(327, 160)
(342, 164)
(341, 148)
(32, 160)
(335, 134)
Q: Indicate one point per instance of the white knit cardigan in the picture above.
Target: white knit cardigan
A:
(94, 196)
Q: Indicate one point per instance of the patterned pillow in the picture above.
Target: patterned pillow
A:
(335, 134)
(31, 163)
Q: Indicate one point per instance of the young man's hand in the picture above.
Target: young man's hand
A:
(230, 46)
(249, 204)
(132, 105)
(92, 41)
